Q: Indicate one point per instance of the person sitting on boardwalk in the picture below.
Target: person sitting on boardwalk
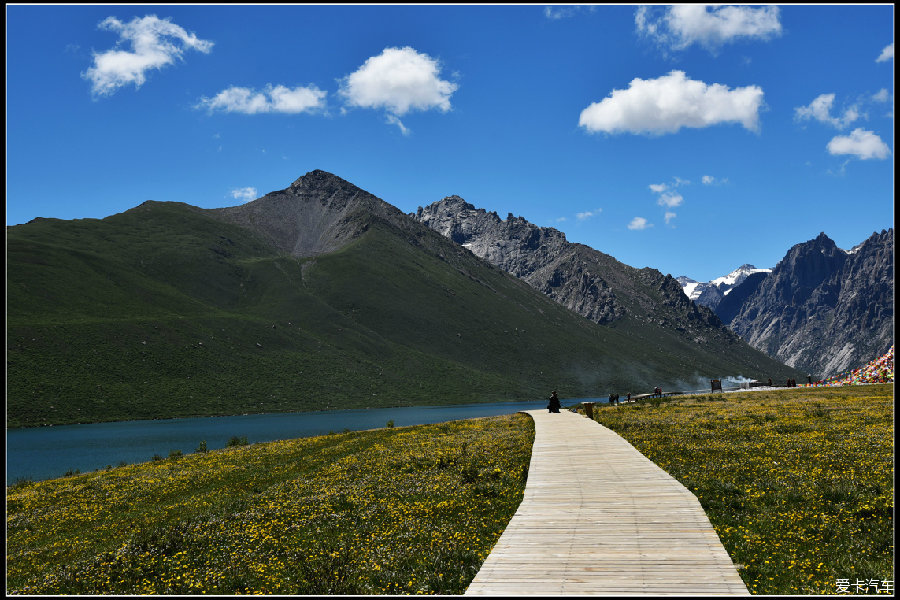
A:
(554, 402)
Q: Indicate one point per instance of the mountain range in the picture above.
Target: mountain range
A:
(320, 296)
(822, 309)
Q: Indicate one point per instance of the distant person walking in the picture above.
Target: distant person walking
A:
(554, 405)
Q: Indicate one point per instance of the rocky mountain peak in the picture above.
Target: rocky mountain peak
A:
(318, 213)
(318, 178)
(438, 215)
(509, 244)
(454, 202)
(822, 309)
(805, 267)
(328, 188)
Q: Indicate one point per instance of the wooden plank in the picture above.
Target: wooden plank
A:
(600, 518)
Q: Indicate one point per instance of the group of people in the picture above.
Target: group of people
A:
(614, 399)
(554, 404)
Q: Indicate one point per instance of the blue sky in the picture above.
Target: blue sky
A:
(689, 139)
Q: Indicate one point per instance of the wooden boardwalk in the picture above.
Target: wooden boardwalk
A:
(599, 518)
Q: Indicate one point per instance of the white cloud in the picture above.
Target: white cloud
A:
(673, 101)
(644, 24)
(667, 196)
(588, 214)
(710, 180)
(662, 187)
(555, 13)
(296, 100)
(639, 223)
(394, 120)
(244, 194)
(155, 43)
(398, 80)
(820, 110)
(678, 27)
(882, 97)
(670, 200)
(886, 54)
(860, 143)
(277, 99)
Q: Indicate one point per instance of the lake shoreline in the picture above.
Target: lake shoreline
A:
(38, 454)
(245, 414)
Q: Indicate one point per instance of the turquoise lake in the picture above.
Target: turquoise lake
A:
(48, 452)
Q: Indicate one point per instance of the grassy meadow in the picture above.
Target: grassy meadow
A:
(799, 483)
(392, 511)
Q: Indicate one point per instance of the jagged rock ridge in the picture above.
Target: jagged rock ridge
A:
(821, 309)
(587, 281)
(541, 256)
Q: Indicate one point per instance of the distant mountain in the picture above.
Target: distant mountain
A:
(647, 305)
(729, 306)
(323, 296)
(822, 309)
(540, 256)
(712, 293)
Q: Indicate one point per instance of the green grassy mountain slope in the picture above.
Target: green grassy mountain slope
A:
(168, 310)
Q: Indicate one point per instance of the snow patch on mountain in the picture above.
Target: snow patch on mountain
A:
(689, 288)
(711, 293)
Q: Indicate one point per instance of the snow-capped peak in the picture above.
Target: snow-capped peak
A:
(711, 293)
(738, 275)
